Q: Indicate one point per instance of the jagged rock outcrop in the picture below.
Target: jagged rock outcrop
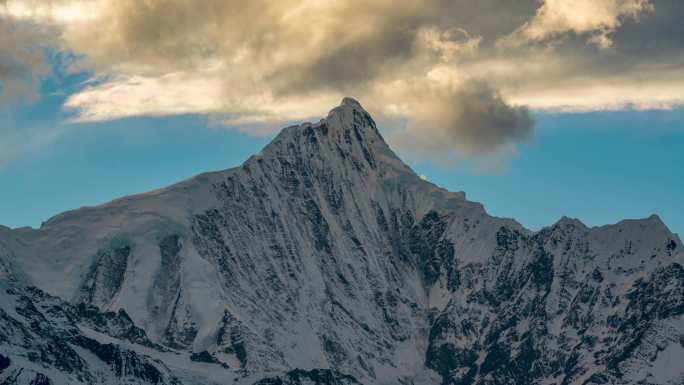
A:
(45, 340)
(325, 258)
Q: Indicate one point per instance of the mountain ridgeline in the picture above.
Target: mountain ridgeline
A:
(324, 259)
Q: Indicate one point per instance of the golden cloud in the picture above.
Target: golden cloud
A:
(599, 18)
(463, 75)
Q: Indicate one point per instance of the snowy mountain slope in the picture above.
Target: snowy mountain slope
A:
(325, 251)
(42, 342)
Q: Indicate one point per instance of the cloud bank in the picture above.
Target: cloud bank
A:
(463, 75)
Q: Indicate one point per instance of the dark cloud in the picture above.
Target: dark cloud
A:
(478, 119)
(467, 120)
(490, 19)
(654, 35)
(349, 61)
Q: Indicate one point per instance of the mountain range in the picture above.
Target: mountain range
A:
(324, 259)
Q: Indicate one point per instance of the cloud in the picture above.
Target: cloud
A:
(462, 120)
(128, 96)
(599, 18)
(22, 60)
(463, 75)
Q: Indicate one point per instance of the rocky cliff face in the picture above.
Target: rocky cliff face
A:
(324, 259)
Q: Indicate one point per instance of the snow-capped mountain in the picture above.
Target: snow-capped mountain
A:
(324, 259)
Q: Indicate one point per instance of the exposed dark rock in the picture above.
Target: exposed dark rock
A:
(310, 377)
(4, 362)
(106, 275)
(203, 356)
(124, 363)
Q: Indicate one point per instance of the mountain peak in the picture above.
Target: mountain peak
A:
(349, 101)
(348, 109)
(348, 135)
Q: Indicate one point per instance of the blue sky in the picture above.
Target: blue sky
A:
(108, 98)
(597, 167)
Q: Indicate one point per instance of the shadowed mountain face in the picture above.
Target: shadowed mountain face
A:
(326, 260)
